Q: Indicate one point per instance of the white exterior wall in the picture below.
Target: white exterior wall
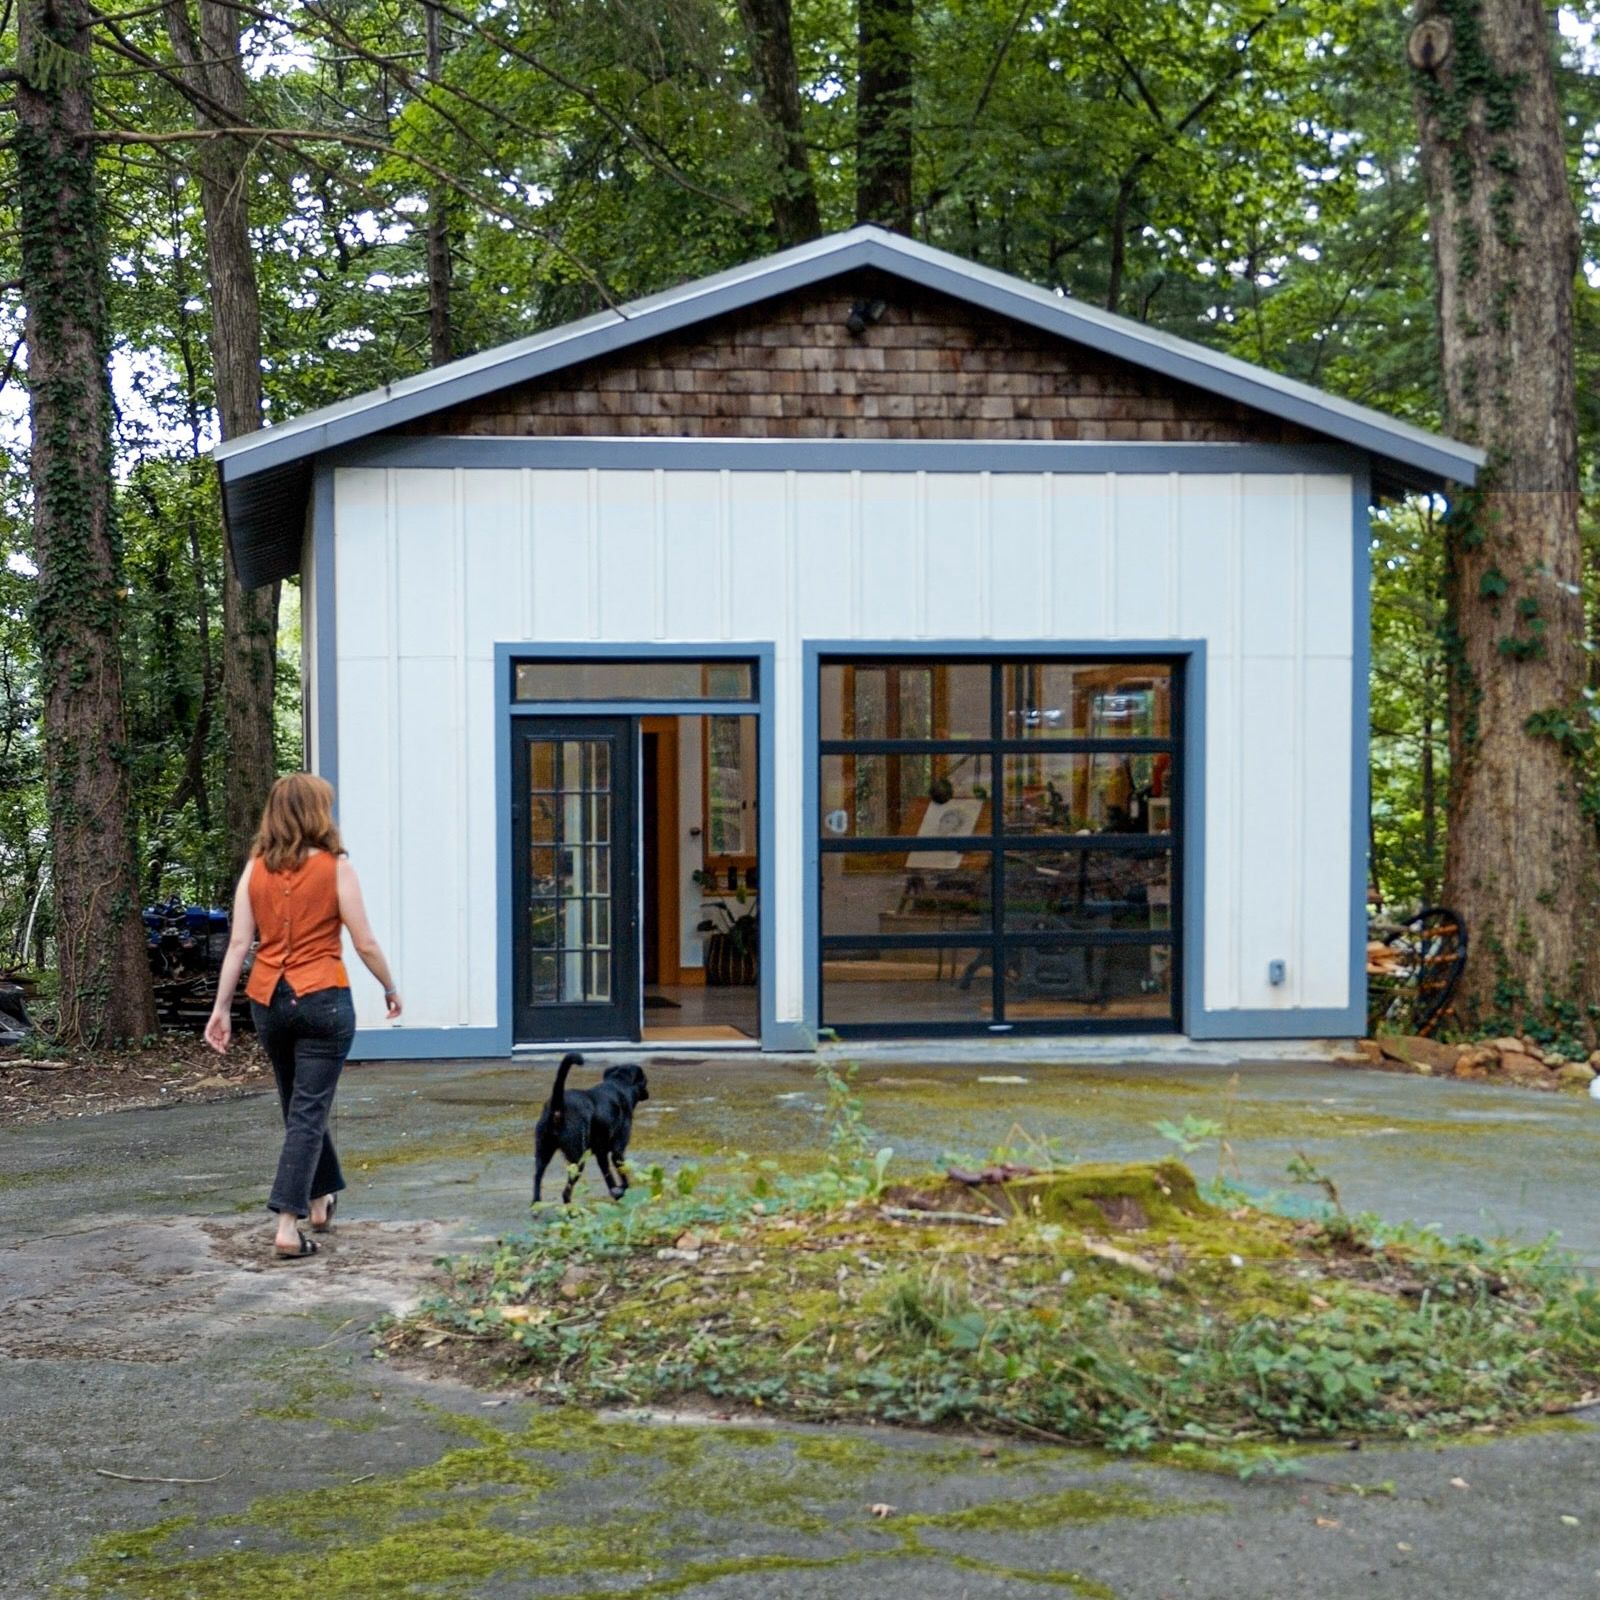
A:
(434, 567)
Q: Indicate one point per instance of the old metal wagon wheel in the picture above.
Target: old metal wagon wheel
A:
(1411, 987)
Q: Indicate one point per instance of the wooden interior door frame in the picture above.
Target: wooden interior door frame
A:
(669, 911)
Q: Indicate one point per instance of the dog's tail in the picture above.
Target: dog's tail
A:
(558, 1092)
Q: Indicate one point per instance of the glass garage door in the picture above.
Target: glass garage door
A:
(999, 845)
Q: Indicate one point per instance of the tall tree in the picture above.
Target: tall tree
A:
(769, 28)
(884, 78)
(441, 339)
(1522, 862)
(104, 972)
(213, 72)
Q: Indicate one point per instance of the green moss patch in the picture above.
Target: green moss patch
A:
(1099, 1304)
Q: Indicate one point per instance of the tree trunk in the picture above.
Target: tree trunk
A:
(441, 340)
(100, 943)
(795, 214)
(215, 76)
(1521, 864)
(883, 112)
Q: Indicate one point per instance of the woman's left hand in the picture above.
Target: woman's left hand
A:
(219, 1031)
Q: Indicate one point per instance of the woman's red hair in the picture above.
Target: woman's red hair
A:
(297, 818)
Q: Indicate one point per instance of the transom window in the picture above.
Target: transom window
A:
(660, 678)
(998, 843)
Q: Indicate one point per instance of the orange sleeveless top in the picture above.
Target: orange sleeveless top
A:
(298, 926)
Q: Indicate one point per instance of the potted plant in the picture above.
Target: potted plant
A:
(732, 937)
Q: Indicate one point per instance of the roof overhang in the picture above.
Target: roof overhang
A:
(266, 475)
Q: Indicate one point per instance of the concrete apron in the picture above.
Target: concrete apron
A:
(145, 1332)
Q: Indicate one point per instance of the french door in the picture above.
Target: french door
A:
(575, 938)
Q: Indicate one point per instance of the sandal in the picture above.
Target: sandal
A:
(326, 1225)
(308, 1247)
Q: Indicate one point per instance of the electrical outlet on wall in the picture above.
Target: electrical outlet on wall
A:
(1277, 971)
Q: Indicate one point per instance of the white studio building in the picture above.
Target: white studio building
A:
(970, 659)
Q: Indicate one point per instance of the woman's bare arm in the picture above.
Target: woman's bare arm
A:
(353, 912)
(242, 934)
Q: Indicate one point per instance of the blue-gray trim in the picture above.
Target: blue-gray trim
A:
(847, 455)
(325, 641)
(426, 1044)
(264, 474)
(764, 655)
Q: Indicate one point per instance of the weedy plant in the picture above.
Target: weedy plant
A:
(1111, 1305)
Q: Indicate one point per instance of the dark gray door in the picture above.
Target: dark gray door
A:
(576, 925)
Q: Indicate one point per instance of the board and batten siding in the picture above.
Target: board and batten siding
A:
(434, 567)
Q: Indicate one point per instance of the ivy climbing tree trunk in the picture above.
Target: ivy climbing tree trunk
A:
(213, 74)
(884, 76)
(100, 944)
(768, 27)
(1521, 861)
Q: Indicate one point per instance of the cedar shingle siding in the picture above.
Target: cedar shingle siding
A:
(932, 368)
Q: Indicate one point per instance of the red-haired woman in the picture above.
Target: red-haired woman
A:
(298, 892)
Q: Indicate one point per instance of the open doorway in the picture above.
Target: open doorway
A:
(699, 880)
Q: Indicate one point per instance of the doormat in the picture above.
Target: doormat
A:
(659, 1002)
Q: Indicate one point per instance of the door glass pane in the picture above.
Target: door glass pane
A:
(923, 796)
(1101, 793)
(1094, 700)
(1081, 890)
(908, 892)
(1047, 983)
(944, 985)
(871, 700)
(569, 864)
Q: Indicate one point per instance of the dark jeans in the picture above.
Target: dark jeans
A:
(306, 1037)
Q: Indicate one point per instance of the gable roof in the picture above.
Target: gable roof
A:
(266, 475)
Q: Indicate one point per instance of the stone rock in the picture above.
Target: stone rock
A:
(1417, 1053)
(1477, 1062)
(1515, 1045)
(1371, 1050)
(1578, 1072)
(1594, 1059)
(1553, 1059)
(1525, 1068)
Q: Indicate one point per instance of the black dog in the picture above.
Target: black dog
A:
(580, 1120)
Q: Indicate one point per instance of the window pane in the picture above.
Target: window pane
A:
(927, 796)
(906, 892)
(874, 700)
(634, 680)
(1100, 793)
(1057, 983)
(1097, 700)
(1081, 890)
(952, 985)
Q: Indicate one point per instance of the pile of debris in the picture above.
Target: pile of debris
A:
(1510, 1060)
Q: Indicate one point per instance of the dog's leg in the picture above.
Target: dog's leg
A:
(574, 1172)
(620, 1162)
(541, 1161)
(614, 1185)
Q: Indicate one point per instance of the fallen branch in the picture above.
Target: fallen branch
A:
(134, 1477)
(1123, 1258)
(908, 1214)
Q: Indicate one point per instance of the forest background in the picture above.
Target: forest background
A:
(420, 180)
